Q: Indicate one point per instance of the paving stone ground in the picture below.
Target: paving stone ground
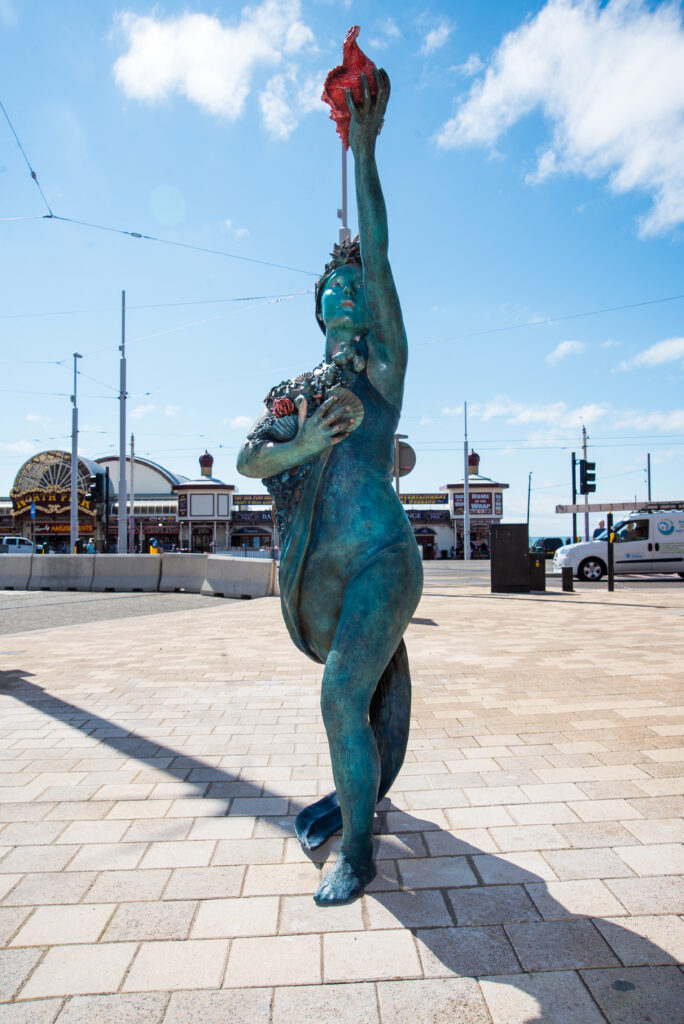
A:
(530, 853)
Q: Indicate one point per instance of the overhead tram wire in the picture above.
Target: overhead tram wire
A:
(196, 323)
(181, 245)
(552, 320)
(51, 215)
(154, 305)
(33, 174)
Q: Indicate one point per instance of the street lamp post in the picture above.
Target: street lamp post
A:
(122, 543)
(397, 452)
(466, 487)
(73, 516)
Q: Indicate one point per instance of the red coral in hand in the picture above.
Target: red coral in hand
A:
(283, 407)
(347, 76)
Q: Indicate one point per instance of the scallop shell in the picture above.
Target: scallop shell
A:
(349, 401)
(283, 429)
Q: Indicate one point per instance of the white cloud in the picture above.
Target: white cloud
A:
(425, 421)
(657, 420)
(141, 410)
(669, 351)
(240, 421)
(33, 417)
(456, 410)
(8, 15)
(388, 30)
(436, 37)
(557, 414)
(235, 231)
(172, 410)
(205, 60)
(565, 349)
(286, 97)
(610, 343)
(22, 447)
(472, 66)
(610, 80)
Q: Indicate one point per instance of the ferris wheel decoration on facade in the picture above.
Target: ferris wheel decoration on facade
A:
(50, 471)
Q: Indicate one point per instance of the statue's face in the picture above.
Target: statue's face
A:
(343, 303)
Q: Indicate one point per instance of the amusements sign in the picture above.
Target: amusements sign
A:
(50, 501)
(424, 499)
(43, 528)
(252, 499)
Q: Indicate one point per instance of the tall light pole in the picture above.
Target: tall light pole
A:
(466, 487)
(73, 516)
(345, 233)
(586, 496)
(131, 537)
(529, 491)
(397, 459)
(122, 543)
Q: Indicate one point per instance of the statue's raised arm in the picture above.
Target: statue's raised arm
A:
(387, 346)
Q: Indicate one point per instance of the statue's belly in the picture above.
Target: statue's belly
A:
(355, 521)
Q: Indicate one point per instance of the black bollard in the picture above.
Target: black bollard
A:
(611, 559)
(566, 574)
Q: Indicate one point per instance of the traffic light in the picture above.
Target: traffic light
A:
(97, 488)
(587, 476)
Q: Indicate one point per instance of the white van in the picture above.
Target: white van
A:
(645, 542)
(16, 546)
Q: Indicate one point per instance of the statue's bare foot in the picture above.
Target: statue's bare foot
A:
(345, 882)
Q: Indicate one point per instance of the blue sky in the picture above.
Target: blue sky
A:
(532, 164)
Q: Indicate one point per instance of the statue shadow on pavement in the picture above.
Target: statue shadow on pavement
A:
(475, 913)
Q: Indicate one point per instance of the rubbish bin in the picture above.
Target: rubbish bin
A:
(509, 555)
(537, 572)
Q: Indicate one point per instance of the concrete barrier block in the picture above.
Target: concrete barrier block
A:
(182, 572)
(61, 572)
(15, 571)
(227, 576)
(274, 590)
(127, 573)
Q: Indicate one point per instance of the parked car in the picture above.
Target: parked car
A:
(16, 546)
(645, 542)
(546, 546)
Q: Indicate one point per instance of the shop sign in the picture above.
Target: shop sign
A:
(415, 516)
(437, 517)
(182, 506)
(51, 502)
(62, 528)
(498, 504)
(480, 503)
(252, 499)
(424, 499)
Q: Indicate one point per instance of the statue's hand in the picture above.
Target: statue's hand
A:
(328, 426)
(367, 117)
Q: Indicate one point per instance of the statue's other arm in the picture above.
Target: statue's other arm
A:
(388, 350)
(327, 426)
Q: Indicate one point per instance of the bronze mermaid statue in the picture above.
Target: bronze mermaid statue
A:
(350, 571)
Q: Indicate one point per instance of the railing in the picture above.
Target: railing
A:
(248, 552)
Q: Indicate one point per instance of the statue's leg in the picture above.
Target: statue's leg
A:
(376, 609)
(390, 713)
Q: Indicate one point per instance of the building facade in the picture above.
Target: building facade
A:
(206, 514)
